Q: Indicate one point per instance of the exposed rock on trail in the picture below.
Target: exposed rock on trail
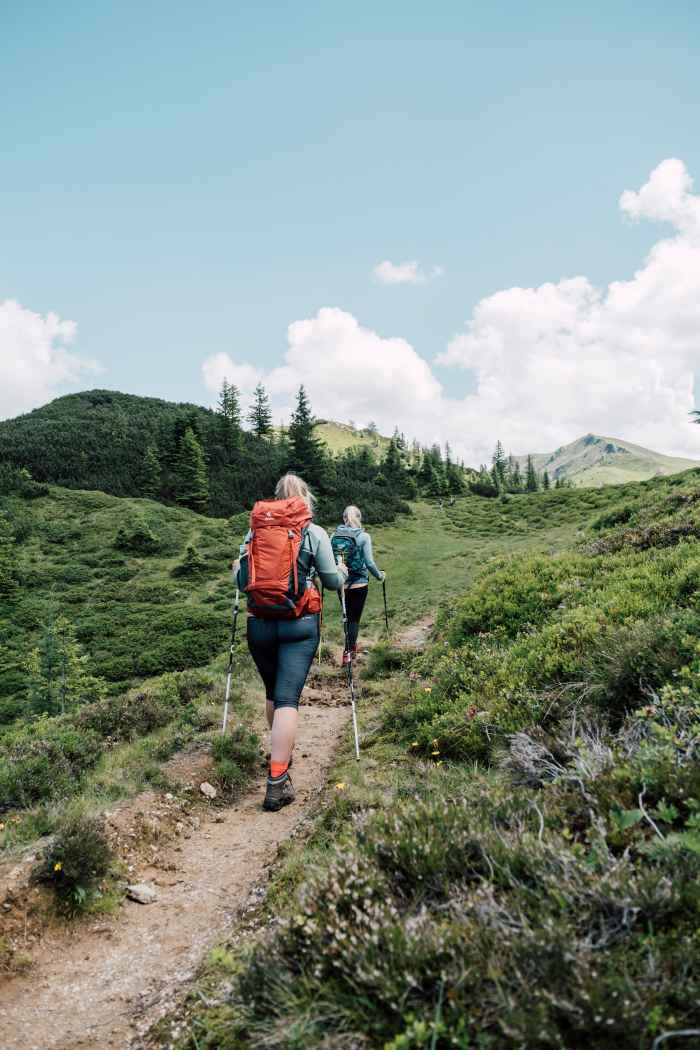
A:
(94, 985)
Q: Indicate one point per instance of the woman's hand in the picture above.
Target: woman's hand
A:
(235, 566)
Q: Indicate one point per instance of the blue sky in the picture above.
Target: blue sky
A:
(187, 180)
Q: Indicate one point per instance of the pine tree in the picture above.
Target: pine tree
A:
(499, 467)
(8, 581)
(545, 481)
(531, 480)
(395, 473)
(308, 453)
(516, 478)
(230, 416)
(191, 476)
(150, 474)
(260, 415)
(57, 672)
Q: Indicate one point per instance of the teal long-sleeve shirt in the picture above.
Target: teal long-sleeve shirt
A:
(364, 544)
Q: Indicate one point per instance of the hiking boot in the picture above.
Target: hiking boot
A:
(280, 792)
(347, 657)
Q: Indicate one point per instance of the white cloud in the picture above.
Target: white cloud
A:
(549, 363)
(34, 361)
(221, 366)
(387, 272)
(556, 361)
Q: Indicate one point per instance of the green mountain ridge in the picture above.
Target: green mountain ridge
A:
(595, 460)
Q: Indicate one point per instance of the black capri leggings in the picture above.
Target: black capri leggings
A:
(355, 598)
(283, 651)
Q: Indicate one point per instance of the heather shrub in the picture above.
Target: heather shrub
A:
(46, 759)
(77, 858)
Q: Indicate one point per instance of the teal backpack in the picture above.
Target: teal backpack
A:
(346, 547)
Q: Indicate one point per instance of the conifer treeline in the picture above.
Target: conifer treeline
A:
(218, 461)
(506, 476)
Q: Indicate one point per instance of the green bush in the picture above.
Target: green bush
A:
(235, 757)
(45, 760)
(78, 857)
(137, 537)
(191, 565)
(386, 659)
(459, 924)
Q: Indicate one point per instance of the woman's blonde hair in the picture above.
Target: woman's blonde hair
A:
(352, 516)
(290, 486)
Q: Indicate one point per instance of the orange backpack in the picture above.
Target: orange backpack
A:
(277, 566)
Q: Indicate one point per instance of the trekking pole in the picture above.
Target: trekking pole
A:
(320, 626)
(386, 611)
(230, 662)
(351, 681)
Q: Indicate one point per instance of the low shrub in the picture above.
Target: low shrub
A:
(137, 537)
(235, 757)
(459, 924)
(634, 660)
(78, 857)
(386, 659)
(191, 565)
(47, 759)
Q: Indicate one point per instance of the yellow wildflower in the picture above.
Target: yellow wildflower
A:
(414, 744)
(427, 689)
(58, 866)
(340, 786)
(435, 752)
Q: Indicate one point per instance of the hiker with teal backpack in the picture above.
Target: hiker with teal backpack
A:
(282, 552)
(353, 547)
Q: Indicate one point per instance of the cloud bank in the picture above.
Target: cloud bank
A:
(34, 360)
(548, 363)
(405, 273)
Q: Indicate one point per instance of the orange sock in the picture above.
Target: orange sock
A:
(277, 769)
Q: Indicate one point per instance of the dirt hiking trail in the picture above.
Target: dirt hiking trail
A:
(91, 987)
(101, 983)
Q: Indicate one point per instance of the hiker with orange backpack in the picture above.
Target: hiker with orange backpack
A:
(353, 546)
(281, 553)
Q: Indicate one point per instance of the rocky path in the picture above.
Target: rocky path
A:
(96, 986)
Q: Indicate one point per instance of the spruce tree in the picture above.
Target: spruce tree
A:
(260, 415)
(191, 476)
(545, 481)
(531, 480)
(150, 474)
(230, 416)
(516, 478)
(57, 672)
(499, 467)
(308, 453)
(8, 581)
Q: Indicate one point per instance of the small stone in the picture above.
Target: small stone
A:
(208, 790)
(142, 893)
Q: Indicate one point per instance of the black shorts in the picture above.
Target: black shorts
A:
(283, 651)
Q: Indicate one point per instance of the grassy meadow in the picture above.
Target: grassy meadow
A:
(515, 861)
(153, 622)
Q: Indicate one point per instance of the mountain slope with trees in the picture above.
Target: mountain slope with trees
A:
(184, 454)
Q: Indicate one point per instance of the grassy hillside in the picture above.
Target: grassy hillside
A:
(523, 861)
(341, 436)
(594, 460)
(134, 617)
